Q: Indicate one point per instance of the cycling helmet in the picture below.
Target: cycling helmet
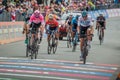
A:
(50, 16)
(84, 13)
(37, 13)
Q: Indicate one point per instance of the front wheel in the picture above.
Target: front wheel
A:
(85, 53)
(54, 48)
(49, 49)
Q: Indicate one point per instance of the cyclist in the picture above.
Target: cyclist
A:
(68, 22)
(74, 26)
(85, 26)
(102, 22)
(53, 25)
(36, 22)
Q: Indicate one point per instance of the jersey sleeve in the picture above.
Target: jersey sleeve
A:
(72, 21)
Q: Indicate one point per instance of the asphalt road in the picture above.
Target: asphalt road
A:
(103, 61)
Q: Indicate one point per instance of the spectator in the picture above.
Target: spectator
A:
(1, 8)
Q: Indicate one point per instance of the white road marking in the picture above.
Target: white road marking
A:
(35, 76)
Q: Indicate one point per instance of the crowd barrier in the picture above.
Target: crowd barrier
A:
(107, 13)
(6, 16)
(11, 32)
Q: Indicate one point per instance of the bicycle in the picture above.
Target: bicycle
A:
(85, 47)
(100, 34)
(75, 40)
(69, 38)
(32, 47)
(52, 43)
(28, 36)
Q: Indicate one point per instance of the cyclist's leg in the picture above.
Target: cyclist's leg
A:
(89, 37)
(67, 29)
(73, 33)
(48, 34)
(89, 32)
(25, 32)
(97, 27)
(56, 35)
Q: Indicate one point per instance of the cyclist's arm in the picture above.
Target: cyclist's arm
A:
(57, 25)
(29, 23)
(104, 22)
(46, 24)
(78, 27)
(97, 22)
(66, 21)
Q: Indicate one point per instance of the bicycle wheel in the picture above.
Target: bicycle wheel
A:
(32, 54)
(74, 45)
(55, 47)
(49, 48)
(68, 40)
(36, 49)
(28, 45)
(33, 49)
(27, 50)
(100, 37)
(85, 53)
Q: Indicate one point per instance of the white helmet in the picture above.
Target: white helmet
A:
(50, 16)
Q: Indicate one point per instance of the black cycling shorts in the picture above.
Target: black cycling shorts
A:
(35, 27)
(83, 31)
(52, 29)
(69, 22)
(102, 24)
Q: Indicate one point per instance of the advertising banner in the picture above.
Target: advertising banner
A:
(11, 32)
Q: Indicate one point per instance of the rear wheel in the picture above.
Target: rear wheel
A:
(85, 52)
(55, 46)
(68, 40)
(100, 37)
(49, 48)
(60, 38)
(27, 50)
(32, 54)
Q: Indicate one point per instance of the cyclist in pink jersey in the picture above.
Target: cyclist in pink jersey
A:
(36, 23)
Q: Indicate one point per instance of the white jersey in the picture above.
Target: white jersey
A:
(85, 23)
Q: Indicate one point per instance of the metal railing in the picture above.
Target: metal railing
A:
(6, 16)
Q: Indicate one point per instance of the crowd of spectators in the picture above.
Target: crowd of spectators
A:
(57, 7)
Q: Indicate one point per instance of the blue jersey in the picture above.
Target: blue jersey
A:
(74, 22)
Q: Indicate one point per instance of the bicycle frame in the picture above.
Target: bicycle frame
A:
(100, 34)
(75, 40)
(52, 45)
(84, 48)
(69, 37)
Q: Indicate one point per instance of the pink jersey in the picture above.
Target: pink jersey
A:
(36, 20)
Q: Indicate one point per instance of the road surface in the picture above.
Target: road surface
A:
(103, 61)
